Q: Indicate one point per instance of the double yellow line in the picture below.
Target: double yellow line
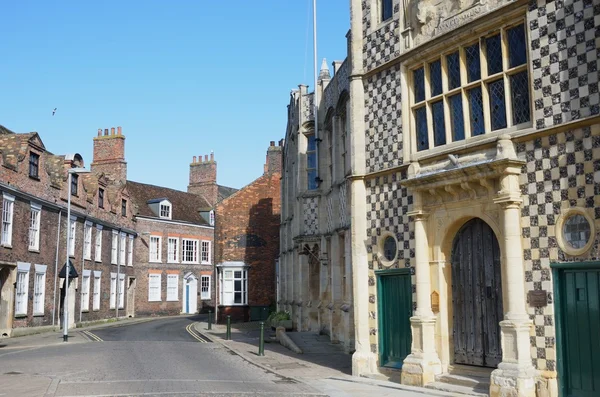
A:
(195, 334)
(92, 336)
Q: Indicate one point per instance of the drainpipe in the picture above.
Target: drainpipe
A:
(83, 268)
(215, 272)
(56, 266)
(117, 299)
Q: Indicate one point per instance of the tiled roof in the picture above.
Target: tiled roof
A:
(186, 206)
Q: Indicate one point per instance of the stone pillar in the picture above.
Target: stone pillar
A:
(422, 364)
(515, 375)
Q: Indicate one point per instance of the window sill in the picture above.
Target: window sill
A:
(87, 258)
(172, 300)
(190, 263)
(473, 143)
(34, 250)
(85, 311)
(148, 262)
(21, 315)
(174, 262)
(35, 178)
(205, 299)
(158, 300)
(38, 314)
(96, 310)
(7, 246)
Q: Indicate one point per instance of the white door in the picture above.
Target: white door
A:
(190, 294)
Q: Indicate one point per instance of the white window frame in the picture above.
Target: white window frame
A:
(97, 285)
(195, 252)
(73, 226)
(155, 249)
(205, 293)
(173, 252)
(34, 227)
(168, 213)
(227, 285)
(39, 290)
(113, 251)
(130, 251)
(172, 287)
(154, 287)
(205, 249)
(123, 249)
(22, 288)
(113, 290)
(121, 291)
(85, 290)
(98, 248)
(8, 205)
(87, 240)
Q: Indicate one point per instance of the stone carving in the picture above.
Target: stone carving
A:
(430, 18)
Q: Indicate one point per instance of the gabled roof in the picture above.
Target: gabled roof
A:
(185, 206)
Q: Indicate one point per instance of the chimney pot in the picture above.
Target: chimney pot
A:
(194, 161)
(99, 131)
(119, 131)
(212, 157)
(206, 157)
(112, 131)
(272, 143)
(106, 131)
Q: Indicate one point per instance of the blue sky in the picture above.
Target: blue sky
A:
(182, 78)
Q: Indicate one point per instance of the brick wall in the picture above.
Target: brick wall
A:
(143, 267)
(247, 230)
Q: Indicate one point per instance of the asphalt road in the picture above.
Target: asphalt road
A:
(154, 358)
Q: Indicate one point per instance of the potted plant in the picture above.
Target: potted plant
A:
(280, 319)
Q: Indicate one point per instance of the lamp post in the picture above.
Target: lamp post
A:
(70, 172)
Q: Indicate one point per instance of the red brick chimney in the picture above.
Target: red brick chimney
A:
(109, 155)
(274, 158)
(203, 178)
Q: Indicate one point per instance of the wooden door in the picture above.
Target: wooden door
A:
(395, 309)
(476, 295)
(580, 327)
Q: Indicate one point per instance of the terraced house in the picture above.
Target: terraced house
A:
(33, 253)
(474, 207)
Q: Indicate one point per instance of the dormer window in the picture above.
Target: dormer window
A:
(165, 210)
(74, 183)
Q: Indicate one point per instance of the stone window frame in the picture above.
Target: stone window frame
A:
(205, 289)
(440, 53)
(380, 248)
(560, 239)
(39, 290)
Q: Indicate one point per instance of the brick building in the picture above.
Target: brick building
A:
(247, 244)
(33, 250)
(174, 270)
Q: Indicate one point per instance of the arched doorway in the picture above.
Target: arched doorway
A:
(190, 294)
(476, 295)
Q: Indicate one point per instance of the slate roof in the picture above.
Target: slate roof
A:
(223, 192)
(186, 206)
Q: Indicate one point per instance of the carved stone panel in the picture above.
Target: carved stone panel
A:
(431, 18)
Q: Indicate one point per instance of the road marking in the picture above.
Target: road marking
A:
(92, 336)
(198, 336)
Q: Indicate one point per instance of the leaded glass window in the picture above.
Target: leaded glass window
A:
(480, 87)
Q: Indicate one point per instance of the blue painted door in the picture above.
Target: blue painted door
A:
(187, 298)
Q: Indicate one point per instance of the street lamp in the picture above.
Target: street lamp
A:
(70, 172)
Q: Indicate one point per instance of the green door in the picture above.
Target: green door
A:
(395, 309)
(579, 328)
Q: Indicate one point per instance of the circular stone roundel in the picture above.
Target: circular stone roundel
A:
(575, 231)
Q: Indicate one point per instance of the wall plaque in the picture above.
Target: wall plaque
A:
(537, 298)
(435, 302)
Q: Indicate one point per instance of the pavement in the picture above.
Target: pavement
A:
(322, 364)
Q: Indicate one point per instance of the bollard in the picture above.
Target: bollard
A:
(209, 320)
(228, 337)
(261, 343)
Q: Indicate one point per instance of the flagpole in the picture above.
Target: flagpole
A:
(316, 94)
